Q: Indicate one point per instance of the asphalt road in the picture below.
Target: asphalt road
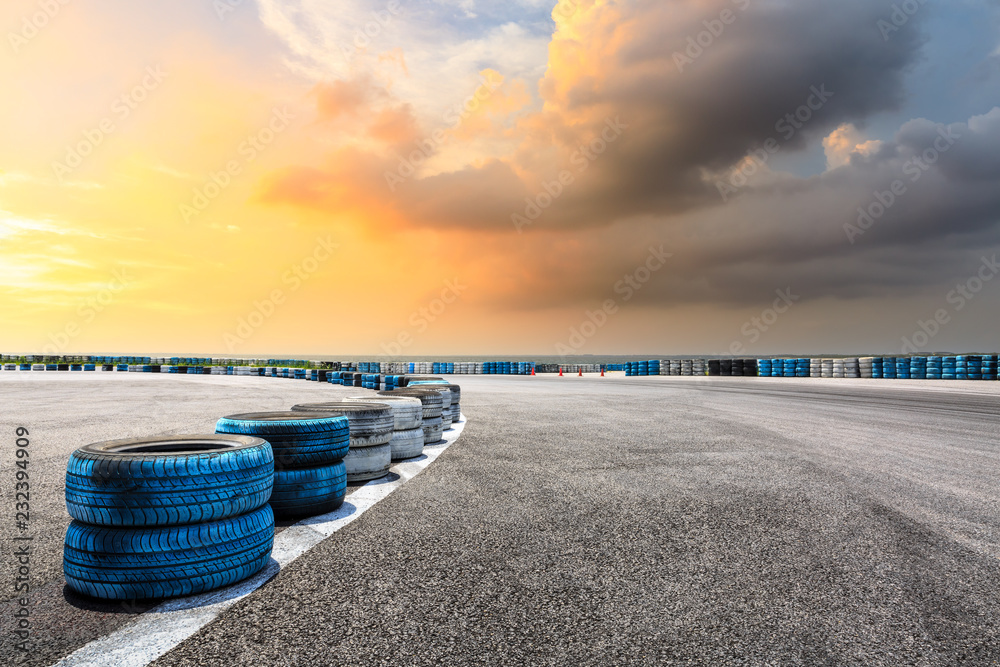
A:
(594, 521)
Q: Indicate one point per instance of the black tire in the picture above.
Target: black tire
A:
(162, 562)
(456, 390)
(168, 481)
(371, 424)
(407, 411)
(432, 400)
(299, 439)
(309, 491)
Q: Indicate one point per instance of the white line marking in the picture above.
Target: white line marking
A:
(165, 626)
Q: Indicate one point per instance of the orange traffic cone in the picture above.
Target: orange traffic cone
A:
(560, 371)
(581, 372)
(532, 370)
(602, 371)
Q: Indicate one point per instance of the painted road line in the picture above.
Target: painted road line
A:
(165, 626)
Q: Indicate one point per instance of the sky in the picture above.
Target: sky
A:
(460, 177)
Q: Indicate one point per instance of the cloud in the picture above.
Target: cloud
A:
(341, 97)
(800, 74)
(845, 141)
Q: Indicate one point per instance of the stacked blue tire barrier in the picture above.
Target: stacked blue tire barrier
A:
(877, 367)
(164, 517)
(961, 368)
(990, 367)
(974, 367)
(310, 476)
(934, 368)
(918, 368)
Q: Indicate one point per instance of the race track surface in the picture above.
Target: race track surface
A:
(597, 521)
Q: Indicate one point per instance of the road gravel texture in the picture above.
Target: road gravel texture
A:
(604, 521)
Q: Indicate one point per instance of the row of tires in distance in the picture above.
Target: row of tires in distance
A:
(179, 515)
(955, 367)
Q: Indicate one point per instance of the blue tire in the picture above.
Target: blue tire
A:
(309, 491)
(168, 481)
(299, 439)
(163, 562)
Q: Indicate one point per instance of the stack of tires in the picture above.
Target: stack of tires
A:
(815, 368)
(310, 476)
(826, 368)
(866, 366)
(961, 368)
(918, 368)
(934, 368)
(433, 405)
(440, 386)
(878, 367)
(852, 367)
(168, 516)
(889, 368)
(451, 413)
(764, 368)
(902, 368)
(407, 439)
(990, 367)
(371, 427)
(974, 367)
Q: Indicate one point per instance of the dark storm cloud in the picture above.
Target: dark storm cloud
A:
(686, 115)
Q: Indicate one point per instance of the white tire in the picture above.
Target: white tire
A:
(407, 444)
(408, 413)
(366, 463)
(433, 430)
